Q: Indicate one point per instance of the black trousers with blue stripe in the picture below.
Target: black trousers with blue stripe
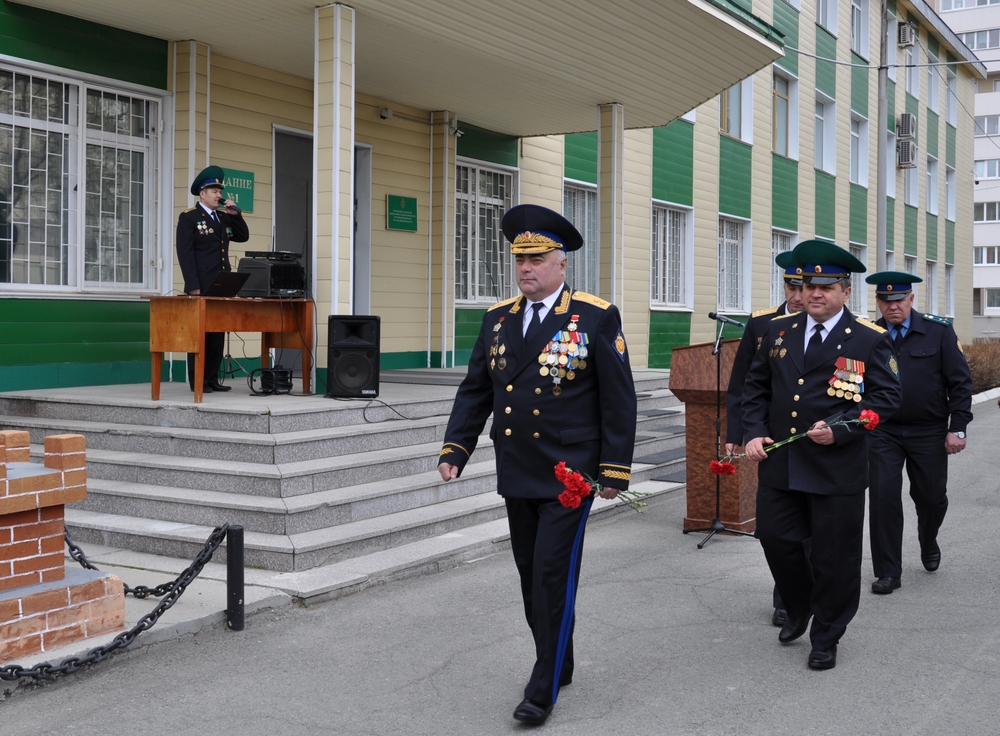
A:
(547, 541)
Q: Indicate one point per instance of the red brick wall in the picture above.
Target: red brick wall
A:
(31, 547)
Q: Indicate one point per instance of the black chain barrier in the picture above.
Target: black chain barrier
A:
(139, 591)
(45, 670)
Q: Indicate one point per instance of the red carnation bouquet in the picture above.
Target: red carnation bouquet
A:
(868, 420)
(578, 486)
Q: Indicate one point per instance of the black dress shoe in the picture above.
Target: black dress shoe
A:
(885, 585)
(216, 386)
(823, 660)
(794, 627)
(779, 617)
(528, 711)
(930, 555)
(206, 389)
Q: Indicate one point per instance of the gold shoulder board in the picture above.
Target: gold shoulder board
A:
(582, 296)
(870, 324)
(762, 312)
(190, 209)
(785, 316)
(504, 303)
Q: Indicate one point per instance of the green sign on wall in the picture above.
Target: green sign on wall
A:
(400, 213)
(239, 188)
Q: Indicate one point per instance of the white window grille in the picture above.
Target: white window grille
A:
(781, 241)
(669, 256)
(45, 181)
(583, 266)
(484, 267)
(731, 237)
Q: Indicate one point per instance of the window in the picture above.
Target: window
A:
(987, 125)
(911, 57)
(825, 141)
(932, 185)
(951, 101)
(891, 39)
(930, 288)
(911, 179)
(780, 242)
(987, 168)
(45, 125)
(992, 298)
(890, 261)
(949, 291)
(959, 4)
(949, 193)
(669, 256)
(933, 84)
(857, 302)
(986, 255)
(910, 266)
(731, 249)
(779, 115)
(484, 268)
(826, 15)
(980, 40)
(583, 266)
(986, 212)
(731, 110)
(890, 164)
(859, 150)
(859, 27)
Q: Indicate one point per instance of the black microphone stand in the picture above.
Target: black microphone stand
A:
(717, 526)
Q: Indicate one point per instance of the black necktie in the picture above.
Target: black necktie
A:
(897, 337)
(535, 325)
(812, 349)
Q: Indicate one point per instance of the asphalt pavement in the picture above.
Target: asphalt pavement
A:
(670, 639)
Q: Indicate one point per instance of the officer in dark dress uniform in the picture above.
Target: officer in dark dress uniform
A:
(203, 236)
(752, 337)
(552, 367)
(929, 426)
(802, 378)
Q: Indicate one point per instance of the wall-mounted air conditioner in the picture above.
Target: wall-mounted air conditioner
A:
(906, 155)
(907, 34)
(907, 126)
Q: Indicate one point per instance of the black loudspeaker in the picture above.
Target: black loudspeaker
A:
(352, 357)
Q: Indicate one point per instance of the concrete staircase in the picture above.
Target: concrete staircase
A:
(314, 482)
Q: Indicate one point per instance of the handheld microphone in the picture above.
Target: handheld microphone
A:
(238, 210)
(725, 320)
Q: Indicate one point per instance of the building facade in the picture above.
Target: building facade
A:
(383, 142)
(978, 25)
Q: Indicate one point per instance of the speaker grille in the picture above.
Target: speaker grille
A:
(353, 371)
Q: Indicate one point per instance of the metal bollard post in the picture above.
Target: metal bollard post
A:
(234, 577)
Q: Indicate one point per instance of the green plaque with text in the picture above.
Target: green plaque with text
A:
(400, 213)
(239, 188)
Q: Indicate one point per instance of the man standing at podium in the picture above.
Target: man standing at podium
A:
(203, 236)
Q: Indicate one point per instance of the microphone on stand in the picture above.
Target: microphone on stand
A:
(725, 320)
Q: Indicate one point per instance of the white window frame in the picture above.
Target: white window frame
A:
(933, 84)
(792, 114)
(986, 212)
(949, 290)
(745, 107)
(987, 168)
(826, 15)
(859, 149)
(505, 280)
(587, 258)
(910, 266)
(930, 287)
(858, 301)
(829, 135)
(890, 164)
(911, 57)
(860, 21)
(950, 193)
(951, 101)
(660, 272)
(891, 40)
(157, 218)
(740, 300)
(933, 204)
(781, 241)
(911, 185)
(890, 260)
(986, 125)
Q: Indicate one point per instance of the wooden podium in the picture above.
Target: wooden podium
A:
(693, 381)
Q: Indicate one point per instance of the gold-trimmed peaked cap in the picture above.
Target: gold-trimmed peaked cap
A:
(531, 229)
(891, 286)
(823, 262)
(211, 176)
(786, 261)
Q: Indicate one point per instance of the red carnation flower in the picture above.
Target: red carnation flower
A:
(723, 468)
(569, 499)
(868, 419)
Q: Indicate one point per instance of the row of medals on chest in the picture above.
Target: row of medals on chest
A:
(848, 379)
(565, 354)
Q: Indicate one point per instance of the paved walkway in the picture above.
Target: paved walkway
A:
(670, 640)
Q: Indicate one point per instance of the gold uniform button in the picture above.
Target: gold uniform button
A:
(536, 412)
(795, 413)
(792, 430)
(801, 381)
(537, 435)
(507, 432)
(507, 410)
(510, 388)
(795, 398)
(537, 390)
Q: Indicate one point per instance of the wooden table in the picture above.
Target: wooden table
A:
(178, 324)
